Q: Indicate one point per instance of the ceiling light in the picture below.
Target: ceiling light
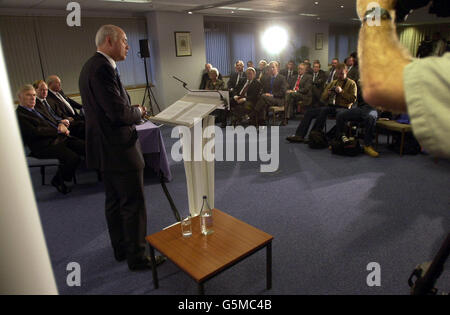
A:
(308, 14)
(275, 39)
(189, 12)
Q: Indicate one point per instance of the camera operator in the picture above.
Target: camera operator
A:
(394, 81)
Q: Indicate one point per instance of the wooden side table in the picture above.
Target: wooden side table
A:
(203, 257)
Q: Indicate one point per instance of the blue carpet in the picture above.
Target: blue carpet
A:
(330, 216)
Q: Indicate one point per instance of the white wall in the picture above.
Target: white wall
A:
(164, 63)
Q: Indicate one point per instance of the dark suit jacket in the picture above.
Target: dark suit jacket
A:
(60, 108)
(37, 133)
(254, 91)
(111, 138)
(43, 110)
(279, 85)
(318, 85)
(231, 84)
(285, 73)
(354, 73)
(305, 88)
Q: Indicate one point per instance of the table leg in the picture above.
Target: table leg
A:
(154, 274)
(269, 265)
(402, 143)
(201, 288)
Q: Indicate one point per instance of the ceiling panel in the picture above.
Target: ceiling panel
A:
(325, 10)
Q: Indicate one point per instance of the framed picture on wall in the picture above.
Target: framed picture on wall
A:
(319, 41)
(183, 44)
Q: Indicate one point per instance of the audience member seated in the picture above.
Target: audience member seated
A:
(340, 95)
(332, 72)
(43, 107)
(353, 71)
(244, 102)
(300, 89)
(214, 83)
(364, 113)
(65, 107)
(260, 71)
(308, 70)
(205, 76)
(289, 72)
(319, 79)
(274, 92)
(236, 76)
(48, 140)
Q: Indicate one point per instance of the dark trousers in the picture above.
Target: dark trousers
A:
(321, 114)
(125, 211)
(365, 114)
(68, 151)
(264, 103)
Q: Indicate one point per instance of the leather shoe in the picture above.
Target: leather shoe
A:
(60, 186)
(145, 263)
(119, 254)
(294, 138)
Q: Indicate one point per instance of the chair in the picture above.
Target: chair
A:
(394, 126)
(41, 163)
(275, 110)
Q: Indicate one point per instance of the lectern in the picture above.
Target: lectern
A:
(191, 114)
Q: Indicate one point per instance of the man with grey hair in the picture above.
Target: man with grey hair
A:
(112, 146)
(236, 76)
(48, 139)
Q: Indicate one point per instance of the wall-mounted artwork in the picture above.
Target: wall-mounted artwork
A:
(183, 44)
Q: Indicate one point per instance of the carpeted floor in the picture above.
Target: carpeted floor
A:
(330, 217)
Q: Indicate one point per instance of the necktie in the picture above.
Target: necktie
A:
(62, 99)
(271, 84)
(244, 90)
(237, 80)
(50, 110)
(315, 76)
(330, 78)
(297, 85)
(42, 117)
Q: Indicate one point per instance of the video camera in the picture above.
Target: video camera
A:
(404, 7)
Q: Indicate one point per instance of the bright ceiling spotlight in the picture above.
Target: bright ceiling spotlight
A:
(275, 39)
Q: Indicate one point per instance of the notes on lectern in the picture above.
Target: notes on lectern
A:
(194, 105)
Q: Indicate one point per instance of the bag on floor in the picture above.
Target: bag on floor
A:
(350, 148)
(317, 140)
(411, 146)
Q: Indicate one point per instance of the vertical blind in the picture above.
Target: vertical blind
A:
(36, 47)
(228, 42)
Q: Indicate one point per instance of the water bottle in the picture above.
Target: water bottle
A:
(206, 218)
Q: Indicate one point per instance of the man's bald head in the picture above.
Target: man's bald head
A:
(112, 41)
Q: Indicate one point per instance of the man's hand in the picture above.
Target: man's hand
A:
(268, 94)
(63, 129)
(338, 90)
(363, 5)
(65, 122)
(70, 119)
(241, 100)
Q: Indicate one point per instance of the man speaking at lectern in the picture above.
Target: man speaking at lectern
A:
(112, 146)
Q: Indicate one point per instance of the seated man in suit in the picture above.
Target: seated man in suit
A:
(353, 71)
(332, 73)
(249, 91)
(319, 78)
(236, 76)
(43, 107)
(300, 89)
(48, 140)
(364, 113)
(340, 95)
(260, 71)
(274, 92)
(290, 71)
(65, 106)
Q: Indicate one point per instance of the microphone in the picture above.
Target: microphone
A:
(221, 96)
